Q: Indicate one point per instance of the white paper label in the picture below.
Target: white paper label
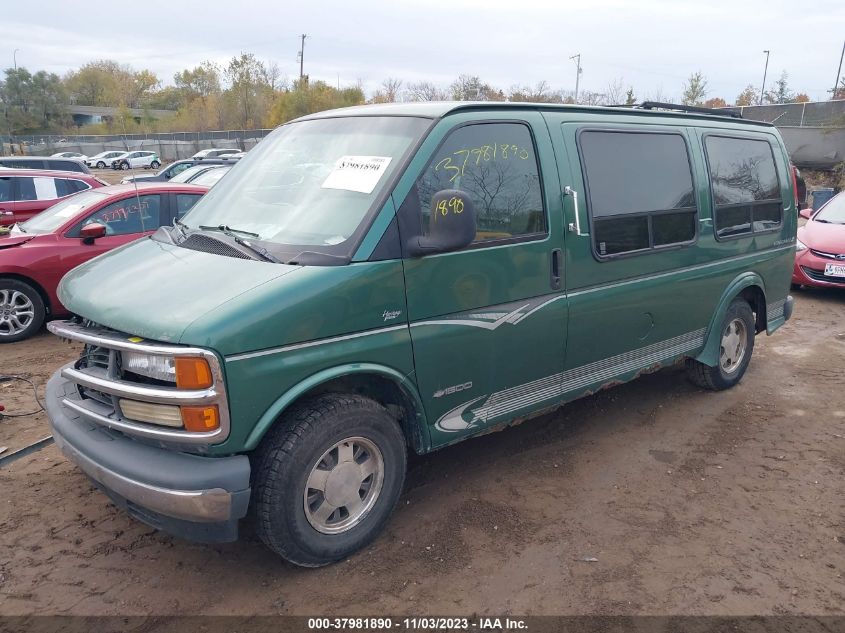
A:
(357, 173)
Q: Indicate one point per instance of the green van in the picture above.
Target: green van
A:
(393, 277)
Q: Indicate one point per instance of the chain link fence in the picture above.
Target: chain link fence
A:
(815, 114)
(168, 145)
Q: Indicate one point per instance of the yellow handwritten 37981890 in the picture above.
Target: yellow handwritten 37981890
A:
(456, 163)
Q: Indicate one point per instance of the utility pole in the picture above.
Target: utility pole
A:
(302, 57)
(577, 59)
(765, 70)
(15, 59)
(838, 73)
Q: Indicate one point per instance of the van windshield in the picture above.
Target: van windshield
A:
(310, 184)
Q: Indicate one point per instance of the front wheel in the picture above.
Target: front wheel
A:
(327, 478)
(21, 310)
(155, 164)
(124, 166)
(735, 349)
(101, 165)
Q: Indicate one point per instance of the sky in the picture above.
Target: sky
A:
(652, 45)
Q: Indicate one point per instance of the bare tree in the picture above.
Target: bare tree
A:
(615, 92)
(389, 92)
(426, 91)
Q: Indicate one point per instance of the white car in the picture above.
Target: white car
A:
(132, 160)
(74, 155)
(216, 152)
(102, 160)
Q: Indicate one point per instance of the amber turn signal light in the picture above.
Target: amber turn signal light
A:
(201, 419)
(193, 373)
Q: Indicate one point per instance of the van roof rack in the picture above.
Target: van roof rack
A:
(659, 105)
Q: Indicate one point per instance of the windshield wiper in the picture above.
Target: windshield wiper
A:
(225, 228)
(258, 250)
(822, 221)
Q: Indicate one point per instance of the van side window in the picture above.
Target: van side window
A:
(495, 163)
(640, 190)
(744, 184)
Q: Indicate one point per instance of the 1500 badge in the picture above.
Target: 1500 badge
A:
(448, 391)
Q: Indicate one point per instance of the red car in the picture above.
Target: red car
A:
(37, 253)
(26, 192)
(820, 250)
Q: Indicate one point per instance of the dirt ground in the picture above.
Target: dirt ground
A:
(690, 502)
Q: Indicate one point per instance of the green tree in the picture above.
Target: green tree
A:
(695, 89)
(307, 97)
(780, 93)
(471, 88)
(202, 81)
(32, 103)
(630, 99)
(248, 93)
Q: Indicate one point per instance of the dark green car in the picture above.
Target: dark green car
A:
(380, 279)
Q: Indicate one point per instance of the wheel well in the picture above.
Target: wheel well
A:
(756, 298)
(35, 285)
(384, 391)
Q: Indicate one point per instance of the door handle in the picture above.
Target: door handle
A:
(557, 260)
(574, 227)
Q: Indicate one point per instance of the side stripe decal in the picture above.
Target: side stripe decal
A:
(487, 408)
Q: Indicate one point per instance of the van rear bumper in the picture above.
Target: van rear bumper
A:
(190, 496)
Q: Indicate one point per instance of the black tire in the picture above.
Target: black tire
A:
(124, 166)
(725, 375)
(155, 164)
(33, 324)
(101, 165)
(290, 452)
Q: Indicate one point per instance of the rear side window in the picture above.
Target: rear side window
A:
(640, 190)
(67, 187)
(5, 189)
(184, 201)
(744, 183)
(495, 163)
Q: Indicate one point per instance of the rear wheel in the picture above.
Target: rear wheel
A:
(155, 164)
(101, 165)
(124, 166)
(735, 349)
(327, 478)
(21, 310)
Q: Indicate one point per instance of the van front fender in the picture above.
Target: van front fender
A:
(709, 354)
(416, 429)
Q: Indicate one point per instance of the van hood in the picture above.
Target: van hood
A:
(157, 290)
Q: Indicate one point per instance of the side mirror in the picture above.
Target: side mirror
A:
(451, 226)
(91, 232)
(805, 213)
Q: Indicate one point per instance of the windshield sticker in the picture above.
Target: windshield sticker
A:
(357, 173)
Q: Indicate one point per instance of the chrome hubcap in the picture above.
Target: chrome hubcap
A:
(733, 346)
(16, 312)
(343, 485)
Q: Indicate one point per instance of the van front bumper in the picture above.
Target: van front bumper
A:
(190, 496)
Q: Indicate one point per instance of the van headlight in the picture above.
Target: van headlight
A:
(189, 372)
(799, 245)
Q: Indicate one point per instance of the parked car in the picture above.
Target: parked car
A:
(133, 160)
(216, 152)
(27, 192)
(37, 253)
(73, 155)
(209, 178)
(820, 246)
(176, 168)
(401, 277)
(103, 159)
(40, 162)
(193, 172)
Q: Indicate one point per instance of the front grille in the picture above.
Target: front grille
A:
(95, 356)
(837, 256)
(98, 396)
(208, 244)
(818, 275)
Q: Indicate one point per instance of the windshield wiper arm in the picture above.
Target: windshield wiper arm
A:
(225, 228)
(258, 250)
